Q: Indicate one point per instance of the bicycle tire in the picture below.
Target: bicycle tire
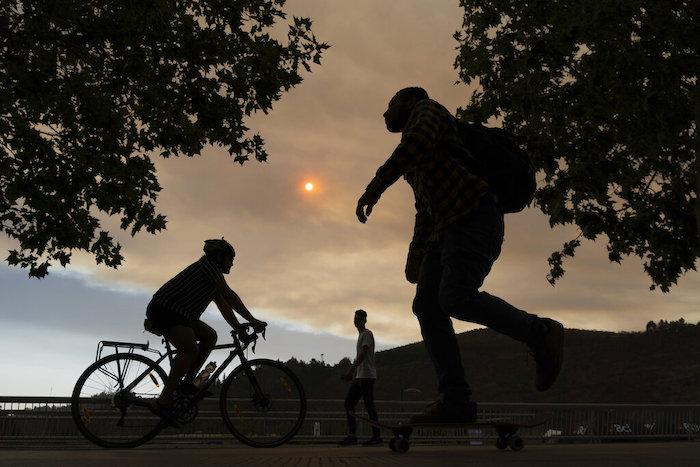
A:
(106, 415)
(272, 420)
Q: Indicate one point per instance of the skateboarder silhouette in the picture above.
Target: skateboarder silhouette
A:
(458, 234)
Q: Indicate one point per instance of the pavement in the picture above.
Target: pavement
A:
(665, 454)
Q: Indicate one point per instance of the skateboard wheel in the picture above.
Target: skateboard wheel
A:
(392, 444)
(501, 443)
(516, 443)
(402, 445)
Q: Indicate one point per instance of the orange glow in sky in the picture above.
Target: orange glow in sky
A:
(309, 186)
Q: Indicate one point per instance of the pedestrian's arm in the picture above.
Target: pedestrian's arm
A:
(360, 358)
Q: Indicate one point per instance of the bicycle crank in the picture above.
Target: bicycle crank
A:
(185, 409)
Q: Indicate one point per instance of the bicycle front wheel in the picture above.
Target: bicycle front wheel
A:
(263, 403)
(110, 400)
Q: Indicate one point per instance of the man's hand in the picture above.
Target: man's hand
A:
(413, 266)
(347, 376)
(365, 205)
(258, 326)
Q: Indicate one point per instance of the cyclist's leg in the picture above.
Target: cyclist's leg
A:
(206, 336)
(184, 340)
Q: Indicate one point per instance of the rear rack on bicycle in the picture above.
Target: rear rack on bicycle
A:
(131, 346)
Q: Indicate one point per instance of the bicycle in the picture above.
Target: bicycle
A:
(262, 402)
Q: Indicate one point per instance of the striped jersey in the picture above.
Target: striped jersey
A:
(190, 292)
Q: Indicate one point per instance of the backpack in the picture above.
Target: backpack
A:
(501, 163)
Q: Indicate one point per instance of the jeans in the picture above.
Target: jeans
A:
(452, 271)
(361, 387)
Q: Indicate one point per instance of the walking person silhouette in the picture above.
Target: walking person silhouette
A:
(363, 374)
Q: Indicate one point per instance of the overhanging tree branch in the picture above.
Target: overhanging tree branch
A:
(117, 82)
(605, 97)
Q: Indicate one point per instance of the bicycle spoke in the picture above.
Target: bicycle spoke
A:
(265, 405)
(110, 400)
(262, 402)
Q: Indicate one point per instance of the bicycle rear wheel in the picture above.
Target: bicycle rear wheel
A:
(110, 400)
(263, 403)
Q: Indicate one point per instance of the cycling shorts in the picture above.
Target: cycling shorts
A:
(164, 319)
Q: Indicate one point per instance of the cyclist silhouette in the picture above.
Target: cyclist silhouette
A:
(175, 310)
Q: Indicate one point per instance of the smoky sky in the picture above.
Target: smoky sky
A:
(304, 262)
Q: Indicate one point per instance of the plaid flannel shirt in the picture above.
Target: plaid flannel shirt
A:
(445, 190)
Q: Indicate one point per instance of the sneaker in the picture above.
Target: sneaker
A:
(349, 440)
(165, 412)
(188, 388)
(447, 411)
(549, 355)
(373, 441)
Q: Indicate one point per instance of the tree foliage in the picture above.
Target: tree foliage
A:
(605, 97)
(672, 327)
(91, 90)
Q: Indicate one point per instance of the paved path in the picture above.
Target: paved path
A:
(666, 454)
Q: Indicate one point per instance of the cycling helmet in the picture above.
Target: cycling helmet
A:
(214, 246)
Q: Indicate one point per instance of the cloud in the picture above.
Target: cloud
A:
(303, 259)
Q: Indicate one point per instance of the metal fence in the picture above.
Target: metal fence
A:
(48, 420)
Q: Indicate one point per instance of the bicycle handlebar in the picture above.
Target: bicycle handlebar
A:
(246, 335)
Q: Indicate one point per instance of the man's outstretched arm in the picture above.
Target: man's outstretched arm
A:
(418, 139)
(365, 205)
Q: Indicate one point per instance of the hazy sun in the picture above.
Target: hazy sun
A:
(309, 186)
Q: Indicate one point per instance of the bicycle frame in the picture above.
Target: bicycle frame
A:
(238, 351)
(113, 401)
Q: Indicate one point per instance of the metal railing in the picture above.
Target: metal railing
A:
(48, 419)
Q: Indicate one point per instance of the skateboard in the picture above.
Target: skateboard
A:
(507, 431)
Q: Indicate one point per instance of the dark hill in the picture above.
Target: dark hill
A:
(661, 365)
